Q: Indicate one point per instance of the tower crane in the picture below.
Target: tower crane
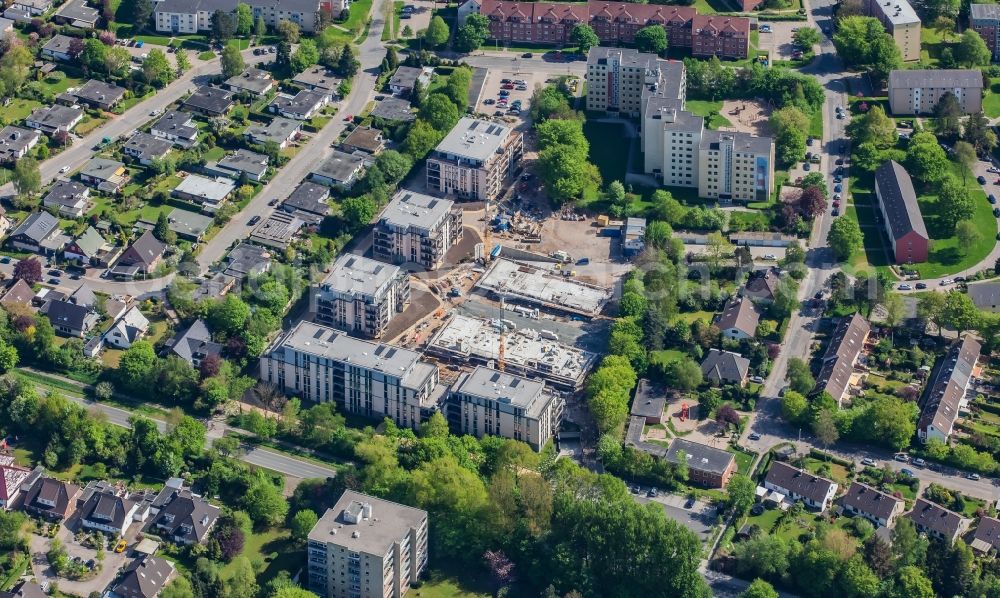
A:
(487, 235)
(501, 353)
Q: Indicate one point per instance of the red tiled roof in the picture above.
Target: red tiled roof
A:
(717, 24)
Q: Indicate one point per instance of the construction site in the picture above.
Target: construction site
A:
(528, 352)
(510, 280)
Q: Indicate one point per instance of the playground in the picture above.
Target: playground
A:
(748, 116)
(682, 413)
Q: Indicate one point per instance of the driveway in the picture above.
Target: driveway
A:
(40, 545)
(699, 519)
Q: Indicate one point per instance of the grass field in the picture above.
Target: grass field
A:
(611, 161)
(991, 102)
(743, 460)
(664, 356)
(710, 111)
(341, 33)
(17, 111)
(275, 549)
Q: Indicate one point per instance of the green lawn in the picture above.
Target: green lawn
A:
(743, 460)
(691, 316)
(991, 103)
(610, 158)
(341, 33)
(816, 124)
(206, 55)
(664, 356)
(17, 111)
(275, 549)
(457, 584)
(216, 153)
(156, 40)
(711, 111)
(394, 32)
(837, 472)
(56, 85)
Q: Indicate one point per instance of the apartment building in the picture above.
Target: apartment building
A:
(734, 166)
(904, 224)
(474, 159)
(918, 91)
(984, 19)
(621, 79)
(192, 16)
(945, 397)
(902, 23)
(367, 547)
(488, 402)
(371, 379)
(551, 23)
(417, 228)
(361, 295)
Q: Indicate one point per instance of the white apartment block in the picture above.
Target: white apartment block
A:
(474, 159)
(417, 228)
(902, 23)
(618, 77)
(192, 16)
(494, 403)
(366, 547)
(375, 380)
(361, 295)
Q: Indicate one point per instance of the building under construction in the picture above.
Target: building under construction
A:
(527, 352)
(515, 281)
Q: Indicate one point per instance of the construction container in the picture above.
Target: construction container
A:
(603, 220)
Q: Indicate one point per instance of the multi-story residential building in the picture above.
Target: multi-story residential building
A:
(417, 228)
(945, 395)
(919, 91)
(361, 295)
(904, 225)
(551, 23)
(735, 166)
(984, 19)
(841, 355)
(474, 159)
(367, 547)
(192, 16)
(618, 78)
(708, 466)
(371, 379)
(901, 22)
(487, 402)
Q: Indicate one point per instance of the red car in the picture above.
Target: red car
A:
(507, 86)
(348, 117)
(836, 204)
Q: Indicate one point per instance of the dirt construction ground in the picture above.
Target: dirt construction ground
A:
(748, 116)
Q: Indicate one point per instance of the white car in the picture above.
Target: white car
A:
(836, 196)
(904, 287)
(946, 282)
(769, 256)
(64, 170)
(993, 169)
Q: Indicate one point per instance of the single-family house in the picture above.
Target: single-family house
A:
(308, 198)
(128, 329)
(190, 226)
(72, 199)
(17, 292)
(761, 286)
(195, 344)
(253, 81)
(50, 499)
(78, 14)
(649, 402)
(186, 518)
(12, 477)
(94, 93)
(405, 78)
(937, 521)
(16, 142)
(177, 127)
(85, 249)
(239, 163)
(70, 319)
(107, 176)
(51, 119)
(707, 466)
(210, 101)
(739, 319)
(339, 170)
(32, 8)
(842, 355)
(142, 257)
(246, 260)
(986, 540)
(394, 109)
(144, 577)
(798, 484)
(25, 589)
(58, 48)
(145, 148)
(209, 193)
(278, 230)
(986, 295)
(318, 78)
(879, 508)
(280, 130)
(106, 508)
(725, 367)
(38, 233)
(302, 106)
(364, 139)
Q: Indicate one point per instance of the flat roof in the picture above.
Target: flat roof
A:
(493, 385)
(535, 285)
(898, 12)
(358, 275)
(213, 189)
(388, 523)
(526, 351)
(474, 139)
(409, 209)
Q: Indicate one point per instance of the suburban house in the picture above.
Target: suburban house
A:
(209, 193)
(210, 101)
(195, 344)
(16, 142)
(94, 93)
(107, 508)
(70, 319)
(57, 48)
(739, 319)
(239, 163)
(800, 485)
(318, 78)
(897, 202)
(761, 286)
(12, 478)
(278, 230)
(51, 119)
(725, 367)
(394, 109)
(879, 508)
(86, 249)
(177, 127)
(987, 537)
(280, 130)
(188, 225)
(308, 199)
(842, 353)
(246, 260)
(633, 236)
(937, 521)
(302, 106)
(145, 576)
(649, 402)
(707, 466)
(70, 198)
(29, 8)
(50, 499)
(364, 139)
(186, 518)
(38, 233)
(16, 292)
(128, 329)
(253, 81)
(142, 257)
(107, 176)
(25, 589)
(339, 170)
(945, 396)
(78, 14)
(145, 148)
(986, 295)
(405, 78)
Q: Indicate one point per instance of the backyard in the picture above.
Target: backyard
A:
(710, 111)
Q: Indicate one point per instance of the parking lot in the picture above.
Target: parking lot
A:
(779, 39)
(698, 518)
(505, 88)
(43, 572)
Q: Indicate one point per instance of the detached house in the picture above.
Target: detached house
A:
(144, 577)
(195, 344)
(987, 537)
(937, 521)
(38, 233)
(50, 499)
(209, 193)
(725, 367)
(142, 257)
(86, 249)
(70, 319)
(106, 508)
(339, 170)
(96, 94)
(107, 176)
(253, 81)
(128, 329)
(57, 48)
(210, 101)
(798, 484)
(302, 106)
(877, 507)
(12, 477)
(186, 518)
(52, 119)
(69, 197)
(177, 127)
(739, 319)
(146, 147)
(280, 130)
(16, 142)
(761, 286)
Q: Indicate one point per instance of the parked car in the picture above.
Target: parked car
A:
(921, 286)
(689, 503)
(839, 161)
(908, 472)
(992, 199)
(527, 55)
(651, 493)
(904, 287)
(919, 462)
(868, 462)
(838, 188)
(769, 256)
(807, 167)
(838, 179)
(53, 281)
(837, 196)
(754, 436)
(836, 204)
(981, 180)
(489, 101)
(835, 212)
(253, 221)
(973, 476)
(996, 212)
(901, 457)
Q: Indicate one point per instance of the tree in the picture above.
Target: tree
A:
(259, 27)
(652, 38)
(583, 37)
(763, 556)
(965, 154)
(302, 524)
(885, 57)
(223, 25)
(718, 246)
(741, 494)
(911, 582)
(930, 308)
(183, 62)
(794, 407)
(244, 19)
(288, 31)
(473, 33)
(959, 312)
(948, 113)
(137, 363)
(437, 32)
(955, 204)
(790, 125)
(799, 377)
(27, 177)
(875, 127)
(925, 158)
(348, 63)
(229, 314)
(812, 203)
(684, 374)
(243, 583)
(232, 61)
(845, 237)
(264, 503)
(759, 589)
(29, 270)
(358, 211)
(306, 55)
(967, 235)
(142, 10)
(972, 51)
(807, 37)
(156, 69)
(439, 111)
(825, 428)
